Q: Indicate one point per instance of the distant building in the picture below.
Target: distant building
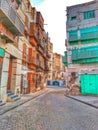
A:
(58, 66)
(50, 60)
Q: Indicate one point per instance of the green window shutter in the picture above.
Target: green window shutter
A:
(89, 33)
(73, 35)
(89, 14)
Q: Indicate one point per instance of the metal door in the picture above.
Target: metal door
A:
(89, 83)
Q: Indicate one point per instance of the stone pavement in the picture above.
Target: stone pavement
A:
(89, 100)
(51, 111)
(25, 98)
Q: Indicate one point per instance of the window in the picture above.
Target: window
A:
(73, 18)
(89, 14)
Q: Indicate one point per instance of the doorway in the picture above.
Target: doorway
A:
(9, 74)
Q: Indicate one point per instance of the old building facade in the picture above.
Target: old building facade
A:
(81, 56)
(50, 60)
(11, 28)
(58, 66)
(23, 49)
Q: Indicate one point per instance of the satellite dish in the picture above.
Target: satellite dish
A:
(37, 2)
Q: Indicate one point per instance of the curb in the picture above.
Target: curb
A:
(22, 102)
(89, 104)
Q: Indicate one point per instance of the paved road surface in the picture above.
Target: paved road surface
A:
(52, 111)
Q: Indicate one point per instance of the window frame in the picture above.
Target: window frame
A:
(73, 18)
(89, 14)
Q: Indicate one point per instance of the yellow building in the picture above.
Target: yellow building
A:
(58, 66)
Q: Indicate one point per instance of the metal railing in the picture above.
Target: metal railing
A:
(9, 11)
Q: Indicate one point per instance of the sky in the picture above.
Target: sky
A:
(54, 14)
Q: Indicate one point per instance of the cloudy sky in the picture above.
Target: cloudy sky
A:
(54, 14)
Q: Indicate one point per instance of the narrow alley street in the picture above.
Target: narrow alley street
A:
(51, 111)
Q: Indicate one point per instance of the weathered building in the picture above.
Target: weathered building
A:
(50, 60)
(82, 46)
(58, 66)
(11, 28)
(23, 49)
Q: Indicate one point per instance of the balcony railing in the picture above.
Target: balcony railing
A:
(11, 18)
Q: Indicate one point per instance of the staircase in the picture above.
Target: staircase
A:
(2, 103)
(12, 96)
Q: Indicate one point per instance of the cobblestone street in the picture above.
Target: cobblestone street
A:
(52, 111)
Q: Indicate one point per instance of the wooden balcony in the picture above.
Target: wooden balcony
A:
(39, 49)
(48, 55)
(46, 67)
(10, 18)
(33, 41)
(33, 31)
(19, 1)
(25, 58)
(7, 35)
(40, 64)
(41, 43)
(32, 60)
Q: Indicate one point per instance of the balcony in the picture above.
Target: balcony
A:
(39, 49)
(73, 35)
(73, 38)
(90, 35)
(34, 35)
(40, 64)
(46, 67)
(33, 31)
(7, 35)
(40, 43)
(64, 58)
(33, 41)
(25, 57)
(10, 18)
(32, 60)
(48, 55)
(85, 55)
(19, 1)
